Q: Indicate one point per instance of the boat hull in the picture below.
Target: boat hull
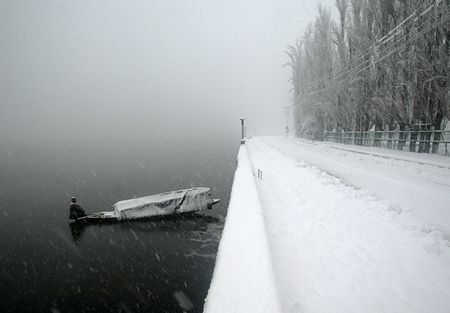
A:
(168, 203)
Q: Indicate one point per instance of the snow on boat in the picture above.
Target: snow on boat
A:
(173, 202)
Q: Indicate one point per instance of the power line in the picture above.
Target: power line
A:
(389, 51)
(377, 44)
(357, 69)
(350, 79)
(368, 48)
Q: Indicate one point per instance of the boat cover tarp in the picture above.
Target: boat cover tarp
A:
(187, 200)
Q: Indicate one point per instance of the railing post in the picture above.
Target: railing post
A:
(412, 141)
(436, 141)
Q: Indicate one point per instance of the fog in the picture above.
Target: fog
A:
(113, 71)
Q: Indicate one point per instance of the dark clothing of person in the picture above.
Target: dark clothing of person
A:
(76, 211)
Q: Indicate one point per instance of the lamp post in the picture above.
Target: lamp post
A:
(242, 130)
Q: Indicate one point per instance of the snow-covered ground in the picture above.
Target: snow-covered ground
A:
(349, 229)
(409, 182)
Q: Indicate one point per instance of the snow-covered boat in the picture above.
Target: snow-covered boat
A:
(173, 202)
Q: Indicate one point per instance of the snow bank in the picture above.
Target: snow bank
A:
(243, 279)
(415, 183)
(404, 156)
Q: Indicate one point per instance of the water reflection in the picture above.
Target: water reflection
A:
(163, 257)
(171, 223)
(76, 230)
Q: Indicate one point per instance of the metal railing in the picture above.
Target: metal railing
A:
(422, 141)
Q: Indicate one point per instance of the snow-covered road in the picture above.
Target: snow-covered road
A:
(343, 233)
(410, 182)
(336, 248)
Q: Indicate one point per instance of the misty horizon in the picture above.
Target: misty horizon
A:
(144, 71)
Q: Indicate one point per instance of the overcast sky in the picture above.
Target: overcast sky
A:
(106, 70)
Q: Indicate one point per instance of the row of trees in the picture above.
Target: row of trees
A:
(384, 64)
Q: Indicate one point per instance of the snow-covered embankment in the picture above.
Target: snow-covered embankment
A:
(243, 279)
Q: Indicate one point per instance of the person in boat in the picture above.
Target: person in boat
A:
(76, 211)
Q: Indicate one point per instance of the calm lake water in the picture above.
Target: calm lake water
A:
(145, 266)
